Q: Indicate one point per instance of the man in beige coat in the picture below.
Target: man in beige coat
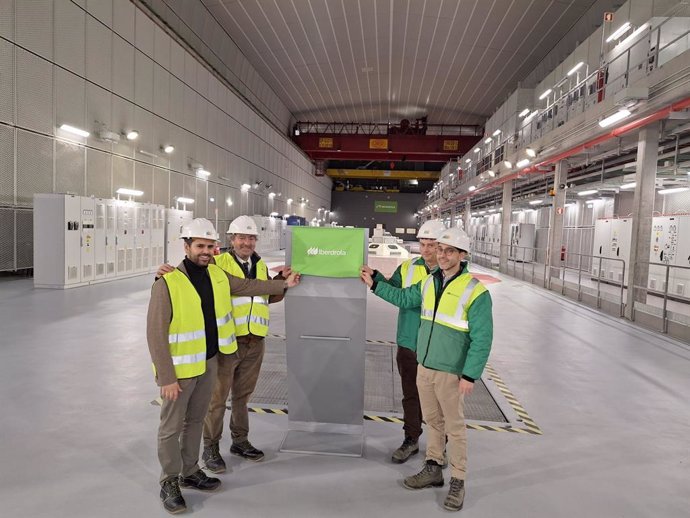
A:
(189, 323)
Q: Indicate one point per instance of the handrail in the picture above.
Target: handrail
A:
(667, 274)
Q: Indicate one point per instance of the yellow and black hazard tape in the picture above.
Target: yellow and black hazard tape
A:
(379, 342)
(530, 426)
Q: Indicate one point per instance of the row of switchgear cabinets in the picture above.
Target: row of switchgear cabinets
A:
(670, 244)
(522, 239)
(81, 240)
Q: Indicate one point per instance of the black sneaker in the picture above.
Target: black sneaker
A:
(246, 450)
(408, 448)
(199, 480)
(213, 460)
(172, 497)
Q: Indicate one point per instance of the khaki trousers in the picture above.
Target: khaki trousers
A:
(443, 408)
(237, 373)
(179, 433)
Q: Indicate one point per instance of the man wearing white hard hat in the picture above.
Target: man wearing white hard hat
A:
(408, 274)
(189, 327)
(239, 373)
(453, 346)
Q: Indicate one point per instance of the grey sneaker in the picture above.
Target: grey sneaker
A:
(213, 460)
(430, 476)
(408, 448)
(456, 495)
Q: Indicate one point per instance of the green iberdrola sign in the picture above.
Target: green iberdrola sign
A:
(385, 206)
(327, 252)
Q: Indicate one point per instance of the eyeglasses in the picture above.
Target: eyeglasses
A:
(449, 250)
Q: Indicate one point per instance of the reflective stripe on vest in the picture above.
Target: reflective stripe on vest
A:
(251, 314)
(458, 319)
(186, 334)
(412, 273)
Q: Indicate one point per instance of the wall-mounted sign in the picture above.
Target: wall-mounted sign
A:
(378, 143)
(326, 142)
(385, 206)
(450, 145)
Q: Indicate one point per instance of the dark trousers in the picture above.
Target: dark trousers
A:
(412, 409)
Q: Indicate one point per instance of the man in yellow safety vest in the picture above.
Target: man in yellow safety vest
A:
(190, 321)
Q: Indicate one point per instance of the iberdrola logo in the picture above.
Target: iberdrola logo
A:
(315, 250)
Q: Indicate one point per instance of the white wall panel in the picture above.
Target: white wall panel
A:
(123, 19)
(102, 10)
(70, 95)
(202, 78)
(98, 174)
(34, 26)
(123, 68)
(201, 199)
(123, 173)
(176, 187)
(98, 111)
(7, 19)
(6, 82)
(34, 166)
(201, 113)
(123, 120)
(70, 174)
(144, 33)
(99, 48)
(190, 65)
(70, 27)
(190, 99)
(189, 188)
(143, 181)
(161, 47)
(6, 165)
(177, 60)
(143, 80)
(34, 92)
(176, 101)
(147, 141)
(161, 186)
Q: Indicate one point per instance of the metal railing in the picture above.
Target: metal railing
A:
(642, 291)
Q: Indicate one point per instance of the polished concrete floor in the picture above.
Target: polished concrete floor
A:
(78, 430)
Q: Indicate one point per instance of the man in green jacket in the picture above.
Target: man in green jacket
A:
(408, 274)
(453, 346)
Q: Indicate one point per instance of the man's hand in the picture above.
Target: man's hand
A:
(366, 276)
(466, 387)
(368, 270)
(171, 391)
(285, 271)
(163, 269)
(292, 280)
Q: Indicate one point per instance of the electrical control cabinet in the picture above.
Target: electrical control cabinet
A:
(522, 239)
(80, 240)
(174, 246)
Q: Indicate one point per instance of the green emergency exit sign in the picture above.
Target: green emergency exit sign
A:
(385, 206)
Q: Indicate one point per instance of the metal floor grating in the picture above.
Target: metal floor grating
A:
(382, 390)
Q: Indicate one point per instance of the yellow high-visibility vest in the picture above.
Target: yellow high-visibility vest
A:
(186, 334)
(251, 313)
(412, 273)
(455, 300)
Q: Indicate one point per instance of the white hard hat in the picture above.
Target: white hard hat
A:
(199, 228)
(455, 237)
(430, 229)
(243, 225)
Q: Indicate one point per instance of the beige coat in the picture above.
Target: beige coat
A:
(160, 315)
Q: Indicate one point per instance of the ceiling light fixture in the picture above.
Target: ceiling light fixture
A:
(132, 135)
(619, 32)
(245, 187)
(673, 190)
(168, 148)
(271, 195)
(477, 150)
(576, 68)
(630, 185)
(536, 202)
(496, 133)
(508, 164)
(289, 201)
(522, 163)
(531, 152)
(129, 192)
(612, 119)
(203, 173)
(545, 94)
(468, 161)
(588, 192)
(185, 200)
(531, 115)
(74, 131)
(488, 140)
(523, 113)
(471, 188)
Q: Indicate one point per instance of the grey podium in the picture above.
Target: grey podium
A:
(325, 323)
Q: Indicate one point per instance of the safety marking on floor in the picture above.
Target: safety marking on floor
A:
(530, 426)
(379, 342)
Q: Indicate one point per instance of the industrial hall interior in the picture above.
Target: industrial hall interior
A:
(345, 258)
